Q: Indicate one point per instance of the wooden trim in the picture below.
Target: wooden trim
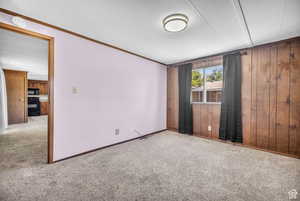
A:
(106, 44)
(75, 34)
(242, 50)
(25, 101)
(50, 99)
(24, 31)
(244, 145)
(50, 75)
(97, 149)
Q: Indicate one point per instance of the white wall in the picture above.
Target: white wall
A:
(115, 90)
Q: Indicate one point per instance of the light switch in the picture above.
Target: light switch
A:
(74, 90)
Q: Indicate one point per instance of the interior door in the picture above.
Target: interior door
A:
(16, 89)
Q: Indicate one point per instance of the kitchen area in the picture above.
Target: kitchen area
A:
(26, 97)
(37, 97)
(24, 65)
(23, 98)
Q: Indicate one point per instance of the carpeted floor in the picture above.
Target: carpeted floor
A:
(165, 166)
(24, 145)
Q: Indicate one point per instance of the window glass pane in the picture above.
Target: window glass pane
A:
(197, 96)
(197, 78)
(197, 85)
(214, 77)
(214, 96)
(214, 83)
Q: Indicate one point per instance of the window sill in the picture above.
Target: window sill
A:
(209, 103)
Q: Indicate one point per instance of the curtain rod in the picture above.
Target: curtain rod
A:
(241, 51)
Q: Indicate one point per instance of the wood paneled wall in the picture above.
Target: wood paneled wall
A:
(172, 99)
(270, 99)
(205, 115)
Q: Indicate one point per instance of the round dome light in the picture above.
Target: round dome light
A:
(175, 22)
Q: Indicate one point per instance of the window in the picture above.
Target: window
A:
(197, 85)
(207, 84)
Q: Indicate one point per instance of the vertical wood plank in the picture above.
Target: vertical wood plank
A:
(204, 120)
(50, 100)
(172, 98)
(294, 132)
(283, 98)
(255, 55)
(263, 97)
(246, 96)
(215, 120)
(209, 115)
(273, 99)
(196, 119)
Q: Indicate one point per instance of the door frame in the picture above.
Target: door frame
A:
(50, 79)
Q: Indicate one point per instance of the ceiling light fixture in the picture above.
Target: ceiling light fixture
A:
(175, 22)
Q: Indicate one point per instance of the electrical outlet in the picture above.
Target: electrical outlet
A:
(117, 131)
(209, 128)
(74, 90)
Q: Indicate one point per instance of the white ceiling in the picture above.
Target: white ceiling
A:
(136, 25)
(25, 53)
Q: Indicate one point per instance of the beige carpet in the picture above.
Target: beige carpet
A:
(163, 167)
(24, 145)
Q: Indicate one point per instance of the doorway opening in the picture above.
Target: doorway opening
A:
(26, 96)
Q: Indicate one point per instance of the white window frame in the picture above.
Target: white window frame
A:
(204, 91)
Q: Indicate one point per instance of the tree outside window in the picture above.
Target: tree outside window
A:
(207, 84)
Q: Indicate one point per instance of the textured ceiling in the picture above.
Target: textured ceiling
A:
(25, 53)
(136, 25)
